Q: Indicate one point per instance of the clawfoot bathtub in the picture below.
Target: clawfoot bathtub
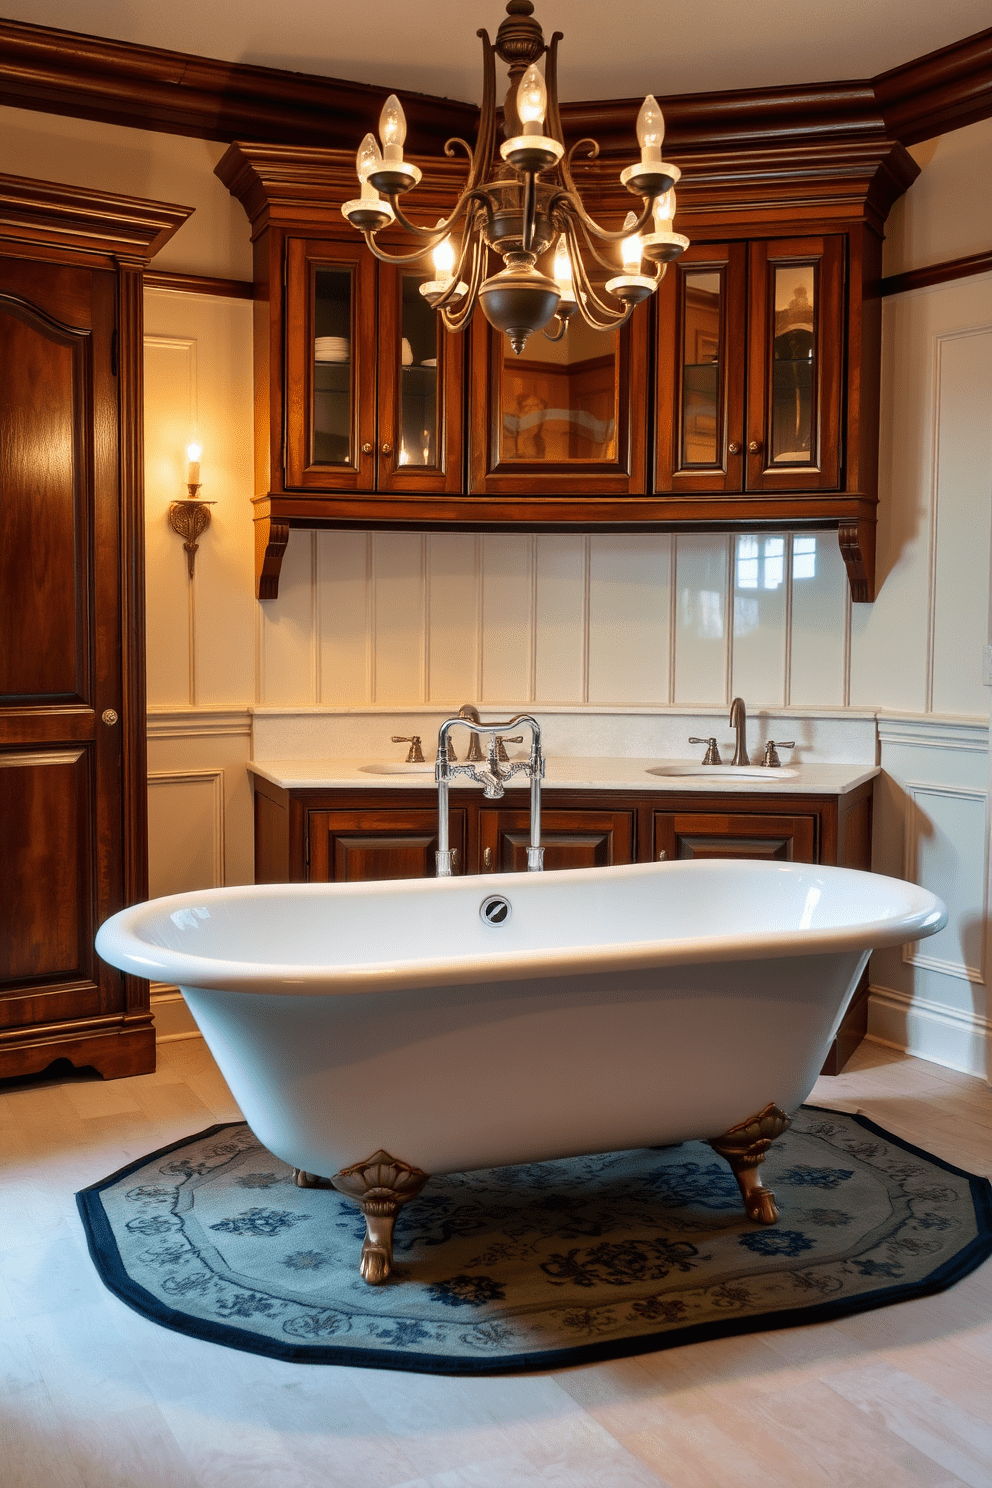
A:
(378, 1033)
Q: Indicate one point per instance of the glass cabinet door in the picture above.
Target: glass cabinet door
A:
(419, 442)
(700, 393)
(795, 364)
(564, 416)
(330, 394)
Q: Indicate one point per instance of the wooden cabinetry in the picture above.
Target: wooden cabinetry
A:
(72, 702)
(758, 408)
(577, 838)
(373, 392)
(737, 834)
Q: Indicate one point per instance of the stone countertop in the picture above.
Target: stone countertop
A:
(567, 772)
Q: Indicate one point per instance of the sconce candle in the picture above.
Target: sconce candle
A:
(193, 453)
(190, 517)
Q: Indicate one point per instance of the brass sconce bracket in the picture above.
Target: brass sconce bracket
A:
(190, 517)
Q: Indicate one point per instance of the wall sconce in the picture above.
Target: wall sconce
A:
(190, 517)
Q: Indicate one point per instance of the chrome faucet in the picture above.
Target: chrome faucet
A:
(738, 720)
(492, 778)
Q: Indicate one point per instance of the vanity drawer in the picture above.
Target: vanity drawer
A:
(571, 839)
(365, 846)
(712, 834)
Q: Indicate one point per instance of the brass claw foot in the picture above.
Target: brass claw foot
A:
(744, 1147)
(303, 1179)
(380, 1186)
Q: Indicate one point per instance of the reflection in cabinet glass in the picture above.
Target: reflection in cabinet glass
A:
(332, 410)
(559, 398)
(418, 384)
(794, 365)
(701, 368)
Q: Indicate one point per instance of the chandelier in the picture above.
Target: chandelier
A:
(524, 207)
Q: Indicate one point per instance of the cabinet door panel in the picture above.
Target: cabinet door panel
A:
(420, 403)
(795, 367)
(330, 384)
(734, 835)
(565, 417)
(700, 371)
(571, 839)
(367, 846)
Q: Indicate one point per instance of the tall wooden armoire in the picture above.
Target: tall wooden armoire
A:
(72, 691)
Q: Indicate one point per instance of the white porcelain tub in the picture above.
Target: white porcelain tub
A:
(613, 1008)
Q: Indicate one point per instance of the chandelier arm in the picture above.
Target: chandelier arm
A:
(449, 150)
(394, 258)
(553, 117)
(605, 263)
(486, 138)
(565, 166)
(451, 294)
(440, 229)
(460, 318)
(574, 204)
(587, 296)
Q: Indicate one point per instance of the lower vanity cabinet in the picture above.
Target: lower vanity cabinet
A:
(365, 845)
(571, 839)
(725, 834)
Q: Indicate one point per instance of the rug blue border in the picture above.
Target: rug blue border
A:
(107, 1260)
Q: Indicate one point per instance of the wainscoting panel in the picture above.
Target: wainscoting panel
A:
(762, 589)
(945, 852)
(819, 628)
(185, 831)
(703, 615)
(630, 590)
(962, 502)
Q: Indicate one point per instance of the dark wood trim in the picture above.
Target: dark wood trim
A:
(97, 228)
(205, 284)
(938, 273)
(942, 91)
(91, 77)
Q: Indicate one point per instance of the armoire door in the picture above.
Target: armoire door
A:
(62, 695)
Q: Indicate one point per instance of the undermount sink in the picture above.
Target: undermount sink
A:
(398, 767)
(736, 772)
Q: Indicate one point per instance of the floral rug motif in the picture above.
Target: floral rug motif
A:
(538, 1266)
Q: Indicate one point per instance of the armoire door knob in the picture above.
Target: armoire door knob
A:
(366, 448)
(754, 446)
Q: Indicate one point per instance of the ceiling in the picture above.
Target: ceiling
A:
(706, 46)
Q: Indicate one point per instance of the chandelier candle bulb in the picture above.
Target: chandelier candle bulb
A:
(532, 100)
(392, 128)
(662, 245)
(631, 248)
(650, 130)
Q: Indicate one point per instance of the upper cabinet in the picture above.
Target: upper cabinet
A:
(373, 391)
(743, 394)
(750, 368)
(564, 417)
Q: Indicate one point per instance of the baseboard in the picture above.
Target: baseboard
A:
(173, 1019)
(951, 1037)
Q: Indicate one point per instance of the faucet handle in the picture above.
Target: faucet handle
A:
(501, 743)
(712, 755)
(771, 759)
(415, 755)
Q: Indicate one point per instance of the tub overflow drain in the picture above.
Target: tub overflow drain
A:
(495, 910)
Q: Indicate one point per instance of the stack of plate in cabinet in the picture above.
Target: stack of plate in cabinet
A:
(330, 349)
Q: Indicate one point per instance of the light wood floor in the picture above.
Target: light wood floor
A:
(91, 1394)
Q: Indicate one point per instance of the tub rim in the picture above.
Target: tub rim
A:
(119, 941)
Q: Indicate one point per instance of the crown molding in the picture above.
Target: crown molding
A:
(93, 77)
(89, 224)
(65, 72)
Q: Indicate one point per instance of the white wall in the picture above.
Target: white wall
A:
(374, 620)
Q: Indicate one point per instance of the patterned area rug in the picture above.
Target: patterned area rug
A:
(534, 1267)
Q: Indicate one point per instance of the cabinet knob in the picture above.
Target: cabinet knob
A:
(387, 449)
(109, 716)
(663, 855)
(366, 448)
(733, 448)
(487, 858)
(754, 446)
